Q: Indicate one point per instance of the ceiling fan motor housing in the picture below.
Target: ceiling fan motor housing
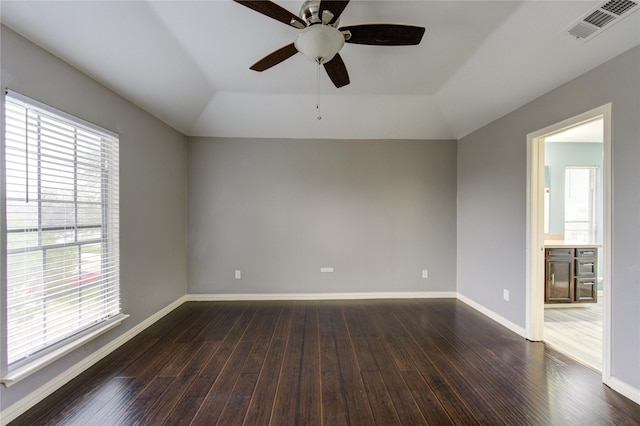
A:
(310, 13)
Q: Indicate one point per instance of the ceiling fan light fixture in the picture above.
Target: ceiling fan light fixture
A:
(319, 43)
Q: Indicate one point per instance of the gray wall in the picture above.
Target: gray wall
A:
(492, 165)
(153, 160)
(377, 211)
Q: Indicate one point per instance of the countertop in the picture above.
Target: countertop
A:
(563, 244)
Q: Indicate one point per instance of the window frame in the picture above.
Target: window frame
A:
(19, 369)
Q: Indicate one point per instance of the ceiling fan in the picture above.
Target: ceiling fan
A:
(320, 39)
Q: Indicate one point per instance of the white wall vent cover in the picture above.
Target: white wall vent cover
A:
(602, 17)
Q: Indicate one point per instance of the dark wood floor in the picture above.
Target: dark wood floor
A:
(407, 362)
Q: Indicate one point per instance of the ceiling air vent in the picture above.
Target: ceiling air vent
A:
(619, 7)
(601, 18)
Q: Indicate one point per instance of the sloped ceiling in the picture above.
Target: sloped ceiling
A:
(187, 62)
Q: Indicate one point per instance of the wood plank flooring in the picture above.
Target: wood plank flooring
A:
(385, 362)
(576, 331)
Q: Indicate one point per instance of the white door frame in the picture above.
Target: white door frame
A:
(534, 322)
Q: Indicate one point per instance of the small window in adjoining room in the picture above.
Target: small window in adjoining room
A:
(60, 232)
(579, 204)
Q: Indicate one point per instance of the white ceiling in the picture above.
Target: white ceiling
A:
(187, 62)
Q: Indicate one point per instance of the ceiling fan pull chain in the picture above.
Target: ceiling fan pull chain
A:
(319, 117)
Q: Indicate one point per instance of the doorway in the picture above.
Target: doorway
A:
(586, 186)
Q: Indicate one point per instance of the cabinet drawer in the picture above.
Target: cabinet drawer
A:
(585, 268)
(555, 253)
(586, 290)
(586, 252)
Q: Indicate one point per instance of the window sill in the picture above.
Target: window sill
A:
(23, 371)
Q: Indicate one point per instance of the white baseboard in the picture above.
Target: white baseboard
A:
(624, 389)
(21, 406)
(497, 318)
(319, 296)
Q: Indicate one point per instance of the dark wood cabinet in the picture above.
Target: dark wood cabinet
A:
(571, 275)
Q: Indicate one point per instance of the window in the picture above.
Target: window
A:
(579, 204)
(61, 229)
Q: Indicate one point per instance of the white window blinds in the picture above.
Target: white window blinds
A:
(62, 227)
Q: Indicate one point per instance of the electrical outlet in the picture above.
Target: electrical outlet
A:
(327, 269)
(238, 274)
(425, 273)
(505, 294)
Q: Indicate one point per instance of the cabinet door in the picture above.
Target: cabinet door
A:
(559, 277)
(586, 290)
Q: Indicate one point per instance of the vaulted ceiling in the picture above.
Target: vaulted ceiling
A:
(187, 63)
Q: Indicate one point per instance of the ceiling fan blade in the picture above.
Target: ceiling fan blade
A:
(384, 34)
(334, 6)
(337, 71)
(274, 58)
(272, 10)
